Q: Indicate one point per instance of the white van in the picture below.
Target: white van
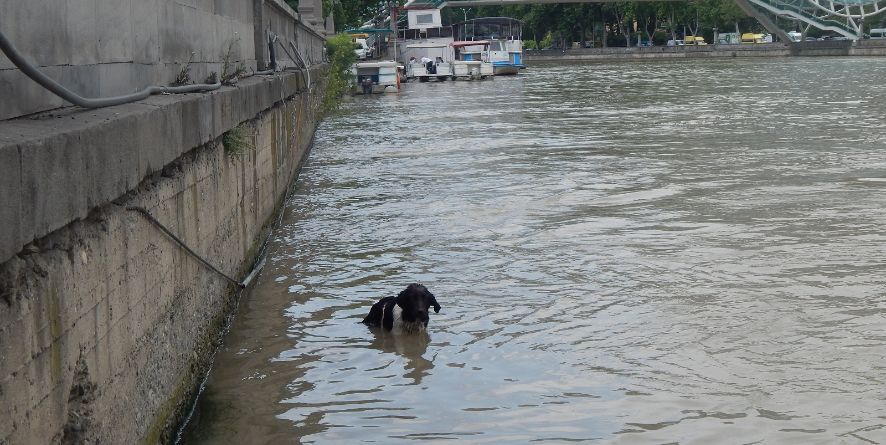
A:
(362, 49)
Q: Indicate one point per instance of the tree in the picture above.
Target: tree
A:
(722, 14)
(623, 13)
(352, 13)
(649, 18)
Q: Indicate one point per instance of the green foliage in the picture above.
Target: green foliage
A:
(328, 6)
(556, 24)
(352, 13)
(184, 75)
(340, 50)
(546, 41)
(231, 70)
(237, 141)
(660, 38)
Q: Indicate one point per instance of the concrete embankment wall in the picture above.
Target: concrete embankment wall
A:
(106, 324)
(809, 49)
(108, 47)
(112, 47)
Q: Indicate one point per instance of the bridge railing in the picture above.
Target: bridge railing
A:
(282, 21)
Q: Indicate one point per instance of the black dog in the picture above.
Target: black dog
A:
(407, 312)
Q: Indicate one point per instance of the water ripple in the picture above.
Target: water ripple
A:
(625, 253)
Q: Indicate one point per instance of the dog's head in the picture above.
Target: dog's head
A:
(415, 301)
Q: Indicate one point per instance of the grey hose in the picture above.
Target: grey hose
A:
(185, 247)
(283, 47)
(302, 60)
(59, 90)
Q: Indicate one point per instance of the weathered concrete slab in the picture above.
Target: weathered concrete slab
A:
(10, 185)
(123, 41)
(81, 26)
(68, 162)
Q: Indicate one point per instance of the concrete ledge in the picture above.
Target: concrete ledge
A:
(56, 167)
(660, 52)
(802, 49)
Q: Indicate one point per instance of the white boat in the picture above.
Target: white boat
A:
(457, 60)
(437, 52)
(429, 52)
(376, 77)
(470, 59)
(504, 37)
(424, 72)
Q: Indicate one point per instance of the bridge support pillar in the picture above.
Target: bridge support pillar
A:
(311, 13)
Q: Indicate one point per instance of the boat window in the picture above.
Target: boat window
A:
(423, 19)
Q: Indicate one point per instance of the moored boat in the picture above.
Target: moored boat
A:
(504, 38)
(376, 77)
(470, 59)
(428, 60)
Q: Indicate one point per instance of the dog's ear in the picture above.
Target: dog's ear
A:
(435, 304)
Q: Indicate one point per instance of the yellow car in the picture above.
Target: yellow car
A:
(750, 37)
(694, 40)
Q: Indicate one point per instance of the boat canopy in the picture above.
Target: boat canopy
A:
(368, 30)
(491, 21)
(428, 45)
(379, 64)
(488, 28)
(463, 43)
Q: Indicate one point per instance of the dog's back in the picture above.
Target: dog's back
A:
(378, 312)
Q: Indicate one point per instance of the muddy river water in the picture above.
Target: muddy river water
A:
(672, 252)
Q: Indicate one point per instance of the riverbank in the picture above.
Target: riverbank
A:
(108, 325)
(801, 49)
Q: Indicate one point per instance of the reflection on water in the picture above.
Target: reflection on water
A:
(622, 256)
(410, 347)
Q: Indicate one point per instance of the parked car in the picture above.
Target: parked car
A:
(362, 49)
(728, 38)
(675, 43)
(750, 37)
(694, 40)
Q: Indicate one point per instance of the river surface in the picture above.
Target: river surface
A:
(645, 252)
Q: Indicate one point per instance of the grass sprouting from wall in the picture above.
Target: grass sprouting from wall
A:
(340, 50)
(237, 141)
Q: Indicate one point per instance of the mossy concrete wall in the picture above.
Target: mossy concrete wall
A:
(106, 325)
